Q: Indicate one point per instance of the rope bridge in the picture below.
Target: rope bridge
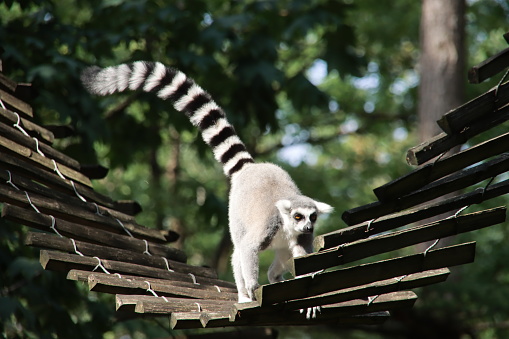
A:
(97, 241)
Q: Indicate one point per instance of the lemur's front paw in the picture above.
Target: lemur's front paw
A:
(243, 299)
(311, 312)
(251, 288)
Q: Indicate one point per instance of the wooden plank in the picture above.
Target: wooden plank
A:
(406, 282)
(436, 170)
(58, 261)
(320, 283)
(61, 131)
(185, 320)
(129, 207)
(55, 242)
(32, 129)
(452, 183)
(81, 216)
(114, 284)
(94, 171)
(389, 222)
(226, 286)
(44, 222)
(15, 135)
(443, 142)
(70, 197)
(126, 303)
(43, 162)
(7, 84)
(475, 110)
(16, 104)
(365, 248)
(22, 167)
(489, 67)
(383, 302)
(216, 319)
(357, 292)
(158, 305)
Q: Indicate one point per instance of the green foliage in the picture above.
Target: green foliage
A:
(325, 88)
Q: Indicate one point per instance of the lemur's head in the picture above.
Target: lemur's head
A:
(300, 213)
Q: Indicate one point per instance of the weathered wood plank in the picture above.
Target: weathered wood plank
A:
(185, 320)
(61, 131)
(226, 286)
(489, 67)
(392, 221)
(365, 248)
(32, 129)
(246, 310)
(44, 222)
(20, 167)
(383, 302)
(433, 171)
(43, 162)
(320, 283)
(114, 284)
(7, 83)
(402, 283)
(443, 142)
(58, 261)
(70, 197)
(16, 104)
(81, 216)
(16, 136)
(54, 242)
(129, 207)
(386, 223)
(94, 171)
(452, 183)
(217, 319)
(158, 305)
(476, 110)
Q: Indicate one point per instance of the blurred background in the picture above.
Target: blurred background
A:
(335, 91)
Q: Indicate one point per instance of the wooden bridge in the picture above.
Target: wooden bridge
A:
(96, 240)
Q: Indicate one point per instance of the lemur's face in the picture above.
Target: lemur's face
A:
(303, 219)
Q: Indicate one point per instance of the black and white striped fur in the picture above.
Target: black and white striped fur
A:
(171, 84)
(266, 209)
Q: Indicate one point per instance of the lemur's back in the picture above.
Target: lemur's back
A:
(255, 190)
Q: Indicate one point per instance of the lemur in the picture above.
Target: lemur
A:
(266, 209)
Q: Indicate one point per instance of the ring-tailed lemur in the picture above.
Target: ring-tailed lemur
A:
(266, 209)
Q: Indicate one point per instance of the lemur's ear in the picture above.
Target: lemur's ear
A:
(284, 206)
(323, 207)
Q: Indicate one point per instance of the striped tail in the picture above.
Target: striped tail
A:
(186, 96)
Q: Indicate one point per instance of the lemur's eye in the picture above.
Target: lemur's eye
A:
(298, 216)
(312, 217)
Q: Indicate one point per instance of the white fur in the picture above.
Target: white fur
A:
(220, 149)
(138, 76)
(155, 77)
(212, 131)
(203, 112)
(168, 90)
(259, 195)
(194, 91)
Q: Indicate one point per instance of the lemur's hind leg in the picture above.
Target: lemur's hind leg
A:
(249, 264)
(278, 266)
(238, 276)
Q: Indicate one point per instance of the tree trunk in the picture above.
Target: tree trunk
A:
(442, 77)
